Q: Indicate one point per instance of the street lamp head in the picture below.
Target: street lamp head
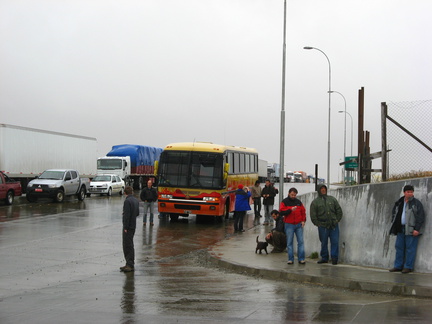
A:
(308, 47)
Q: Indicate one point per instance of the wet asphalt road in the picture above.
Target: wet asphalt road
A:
(59, 264)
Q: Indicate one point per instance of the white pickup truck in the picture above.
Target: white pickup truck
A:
(56, 184)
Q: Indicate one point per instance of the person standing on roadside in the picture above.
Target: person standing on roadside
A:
(326, 214)
(148, 196)
(268, 193)
(241, 206)
(407, 220)
(294, 213)
(256, 197)
(130, 213)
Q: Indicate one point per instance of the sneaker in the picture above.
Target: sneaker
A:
(290, 262)
(334, 261)
(395, 270)
(322, 261)
(406, 270)
(302, 262)
(122, 268)
(128, 269)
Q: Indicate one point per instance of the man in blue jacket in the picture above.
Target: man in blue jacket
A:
(241, 206)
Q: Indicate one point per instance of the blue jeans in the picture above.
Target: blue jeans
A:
(290, 230)
(324, 235)
(148, 206)
(406, 249)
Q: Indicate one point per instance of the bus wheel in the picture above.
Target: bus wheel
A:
(174, 217)
(226, 210)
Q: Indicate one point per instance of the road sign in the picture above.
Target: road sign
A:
(351, 162)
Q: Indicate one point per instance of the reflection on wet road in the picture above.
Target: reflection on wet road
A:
(60, 264)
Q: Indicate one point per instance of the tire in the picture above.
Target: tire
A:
(109, 192)
(31, 198)
(81, 194)
(121, 191)
(9, 198)
(226, 210)
(174, 217)
(59, 197)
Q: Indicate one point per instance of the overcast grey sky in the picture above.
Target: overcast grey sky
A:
(153, 72)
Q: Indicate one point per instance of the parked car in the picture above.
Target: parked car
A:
(9, 189)
(106, 184)
(56, 184)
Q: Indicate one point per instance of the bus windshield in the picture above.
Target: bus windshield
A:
(191, 169)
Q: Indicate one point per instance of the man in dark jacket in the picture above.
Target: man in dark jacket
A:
(268, 193)
(277, 237)
(407, 221)
(148, 196)
(130, 213)
(326, 214)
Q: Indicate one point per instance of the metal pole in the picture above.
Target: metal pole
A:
(282, 127)
(329, 113)
(352, 133)
(344, 131)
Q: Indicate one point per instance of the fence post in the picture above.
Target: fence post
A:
(384, 165)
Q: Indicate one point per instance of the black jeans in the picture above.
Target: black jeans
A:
(128, 247)
(257, 206)
(238, 220)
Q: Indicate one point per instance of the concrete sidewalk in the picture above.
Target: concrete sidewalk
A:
(238, 254)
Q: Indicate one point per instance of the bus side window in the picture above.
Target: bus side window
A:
(247, 163)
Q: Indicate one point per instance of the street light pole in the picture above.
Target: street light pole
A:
(329, 112)
(346, 112)
(344, 127)
(282, 126)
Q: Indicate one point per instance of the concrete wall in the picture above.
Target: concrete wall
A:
(364, 238)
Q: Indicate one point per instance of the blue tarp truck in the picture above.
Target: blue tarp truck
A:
(133, 163)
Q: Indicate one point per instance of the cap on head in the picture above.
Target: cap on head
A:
(240, 186)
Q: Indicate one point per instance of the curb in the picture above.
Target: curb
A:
(400, 289)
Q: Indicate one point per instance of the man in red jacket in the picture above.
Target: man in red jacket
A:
(295, 218)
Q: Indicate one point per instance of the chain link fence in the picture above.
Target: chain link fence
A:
(409, 155)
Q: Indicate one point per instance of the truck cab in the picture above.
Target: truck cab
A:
(117, 165)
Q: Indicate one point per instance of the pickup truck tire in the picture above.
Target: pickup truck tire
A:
(9, 198)
(59, 197)
(109, 192)
(31, 198)
(81, 194)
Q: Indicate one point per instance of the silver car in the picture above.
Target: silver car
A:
(106, 184)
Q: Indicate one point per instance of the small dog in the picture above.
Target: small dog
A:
(261, 246)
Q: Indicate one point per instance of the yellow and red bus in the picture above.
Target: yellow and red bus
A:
(201, 178)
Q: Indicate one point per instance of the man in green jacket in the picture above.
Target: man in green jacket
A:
(326, 214)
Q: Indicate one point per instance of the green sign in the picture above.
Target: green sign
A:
(351, 162)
